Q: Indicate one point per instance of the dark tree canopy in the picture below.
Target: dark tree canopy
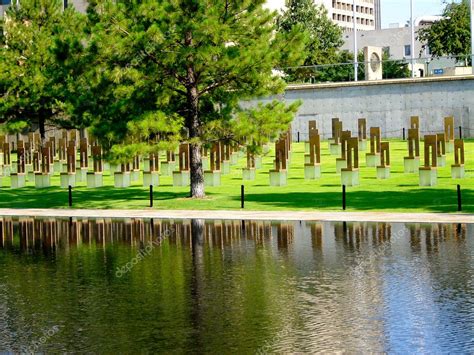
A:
(324, 37)
(450, 36)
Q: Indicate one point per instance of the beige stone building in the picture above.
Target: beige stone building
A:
(342, 12)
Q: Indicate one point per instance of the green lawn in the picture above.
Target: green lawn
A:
(400, 193)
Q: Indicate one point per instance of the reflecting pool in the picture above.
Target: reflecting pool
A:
(137, 285)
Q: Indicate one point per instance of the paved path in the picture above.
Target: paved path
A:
(247, 215)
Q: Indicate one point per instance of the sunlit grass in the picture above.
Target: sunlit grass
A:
(400, 193)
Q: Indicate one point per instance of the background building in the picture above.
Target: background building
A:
(396, 41)
(80, 5)
(341, 12)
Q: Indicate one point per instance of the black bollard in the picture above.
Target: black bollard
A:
(298, 137)
(344, 197)
(404, 133)
(242, 196)
(151, 196)
(459, 199)
(70, 195)
(460, 132)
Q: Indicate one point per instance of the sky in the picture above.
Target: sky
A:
(399, 10)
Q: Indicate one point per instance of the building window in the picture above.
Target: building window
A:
(407, 50)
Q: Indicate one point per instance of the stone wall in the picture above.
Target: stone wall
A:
(388, 104)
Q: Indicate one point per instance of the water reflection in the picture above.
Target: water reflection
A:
(235, 286)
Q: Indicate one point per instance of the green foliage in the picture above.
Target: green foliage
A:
(324, 37)
(14, 127)
(149, 134)
(255, 127)
(451, 35)
(32, 80)
(394, 69)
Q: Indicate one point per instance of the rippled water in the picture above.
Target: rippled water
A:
(220, 286)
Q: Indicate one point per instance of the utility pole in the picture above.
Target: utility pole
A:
(472, 36)
(356, 50)
(412, 49)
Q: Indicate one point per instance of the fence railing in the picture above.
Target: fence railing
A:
(390, 69)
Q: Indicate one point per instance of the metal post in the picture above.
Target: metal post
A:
(242, 196)
(151, 195)
(356, 50)
(344, 197)
(403, 133)
(412, 50)
(459, 199)
(460, 132)
(298, 137)
(70, 195)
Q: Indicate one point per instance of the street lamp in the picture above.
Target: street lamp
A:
(354, 20)
(412, 25)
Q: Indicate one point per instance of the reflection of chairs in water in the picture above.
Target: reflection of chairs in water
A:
(381, 233)
(435, 234)
(316, 236)
(352, 234)
(285, 235)
(51, 233)
(6, 232)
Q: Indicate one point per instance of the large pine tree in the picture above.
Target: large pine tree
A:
(36, 35)
(179, 68)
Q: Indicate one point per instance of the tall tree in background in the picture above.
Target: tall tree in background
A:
(32, 82)
(450, 36)
(324, 36)
(180, 68)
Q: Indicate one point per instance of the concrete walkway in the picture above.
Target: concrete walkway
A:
(247, 215)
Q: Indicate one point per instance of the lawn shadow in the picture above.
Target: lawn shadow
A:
(103, 197)
(439, 200)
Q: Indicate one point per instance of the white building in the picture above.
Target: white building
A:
(396, 41)
(342, 12)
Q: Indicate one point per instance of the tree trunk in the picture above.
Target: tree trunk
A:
(194, 126)
(41, 124)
